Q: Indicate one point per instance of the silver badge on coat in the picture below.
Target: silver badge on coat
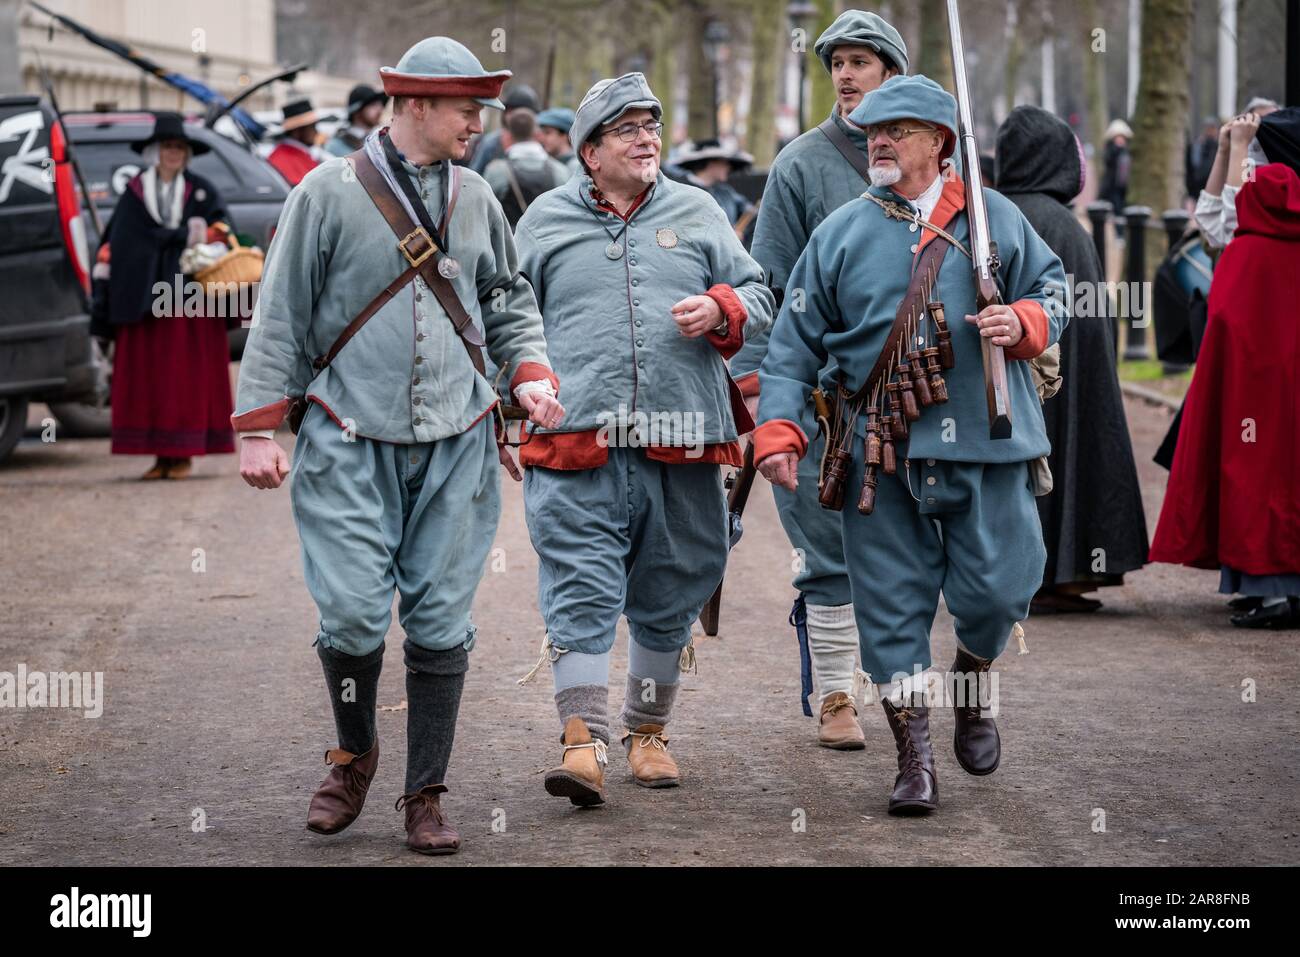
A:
(666, 238)
(448, 268)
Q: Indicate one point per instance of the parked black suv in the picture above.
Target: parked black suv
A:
(47, 245)
(46, 351)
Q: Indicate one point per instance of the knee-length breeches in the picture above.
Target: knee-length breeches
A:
(967, 530)
(377, 517)
(814, 533)
(636, 537)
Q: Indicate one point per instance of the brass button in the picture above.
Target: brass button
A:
(419, 359)
(417, 420)
(419, 337)
(415, 460)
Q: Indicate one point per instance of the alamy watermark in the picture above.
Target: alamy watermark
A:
(78, 690)
(639, 429)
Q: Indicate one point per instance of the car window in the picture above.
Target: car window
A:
(239, 177)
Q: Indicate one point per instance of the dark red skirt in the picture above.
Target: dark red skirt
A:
(171, 388)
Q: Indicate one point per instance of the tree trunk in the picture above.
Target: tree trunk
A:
(1160, 117)
(699, 106)
(935, 60)
(768, 44)
(1094, 77)
(822, 99)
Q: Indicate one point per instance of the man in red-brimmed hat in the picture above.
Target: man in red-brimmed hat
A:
(396, 484)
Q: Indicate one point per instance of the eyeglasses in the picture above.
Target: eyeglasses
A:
(895, 131)
(628, 131)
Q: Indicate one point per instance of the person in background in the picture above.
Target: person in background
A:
(1238, 152)
(988, 167)
(365, 108)
(296, 154)
(553, 133)
(1115, 169)
(493, 145)
(171, 381)
(1233, 502)
(1199, 157)
(709, 164)
(526, 171)
(1093, 524)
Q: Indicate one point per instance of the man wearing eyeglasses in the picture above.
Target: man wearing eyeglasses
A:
(810, 179)
(954, 512)
(645, 291)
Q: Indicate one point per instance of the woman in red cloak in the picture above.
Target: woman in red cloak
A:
(1233, 500)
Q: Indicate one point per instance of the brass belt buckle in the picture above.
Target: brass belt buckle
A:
(419, 232)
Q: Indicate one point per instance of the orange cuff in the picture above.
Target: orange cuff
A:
(777, 436)
(748, 385)
(735, 312)
(1033, 320)
(267, 417)
(533, 372)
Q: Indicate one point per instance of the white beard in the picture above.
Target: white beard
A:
(884, 175)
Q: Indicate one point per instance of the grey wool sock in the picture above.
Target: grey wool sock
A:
(434, 680)
(588, 702)
(353, 684)
(647, 702)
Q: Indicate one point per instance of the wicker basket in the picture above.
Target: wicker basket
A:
(241, 264)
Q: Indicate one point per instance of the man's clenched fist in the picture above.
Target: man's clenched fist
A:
(262, 463)
(781, 469)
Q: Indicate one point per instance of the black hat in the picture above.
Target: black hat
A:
(705, 150)
(522, 96)
(170, 126)
(1279, 136)
(297, 114)
(362, 96)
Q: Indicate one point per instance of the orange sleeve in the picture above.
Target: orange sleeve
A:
(735, 312)
(533, 372)
(1034, 322)
(779, 435)
(267, 417)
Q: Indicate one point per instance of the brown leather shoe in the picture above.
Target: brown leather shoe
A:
(179, 468)
(647, 755)
(916, 789)
(342, 794)
(427, 830)
(581, 774)
(839, 728)
(975, 738)
(159, 470)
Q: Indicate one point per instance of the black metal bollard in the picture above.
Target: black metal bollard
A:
(1135, 344)
(1098, 215)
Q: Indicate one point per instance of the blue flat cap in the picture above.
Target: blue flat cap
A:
(859, 28)
(557, 117)
(910, 98)
(608, 100)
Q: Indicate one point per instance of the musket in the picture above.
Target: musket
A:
(984, 252)
(738, 486)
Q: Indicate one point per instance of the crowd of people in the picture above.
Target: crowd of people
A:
(580, 270)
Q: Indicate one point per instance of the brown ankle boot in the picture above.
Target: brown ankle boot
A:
(427, 830)
(839, 728)
(180, 468)
(159, 470)
(975, 738)
(342, 794)
(581, 774)
(647, 755)
(916, 789)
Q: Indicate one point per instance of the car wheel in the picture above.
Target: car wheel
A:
(13, 422)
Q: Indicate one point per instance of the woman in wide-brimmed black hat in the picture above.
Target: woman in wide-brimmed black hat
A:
(708, 164)
(171, 384)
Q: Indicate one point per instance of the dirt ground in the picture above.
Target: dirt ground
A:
(214, 701)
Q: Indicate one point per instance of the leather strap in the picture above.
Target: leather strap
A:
(855, 156)
(391, 290)
(421, 251)
(913, 303)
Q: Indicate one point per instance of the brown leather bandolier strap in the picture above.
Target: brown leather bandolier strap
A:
(421, 252)
(856, 158)
(913, 304)
(391, 290)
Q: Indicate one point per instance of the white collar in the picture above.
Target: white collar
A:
(149, 181)
(928, 200)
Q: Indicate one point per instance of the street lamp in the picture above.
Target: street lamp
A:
(716, 35)
(800, 13)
